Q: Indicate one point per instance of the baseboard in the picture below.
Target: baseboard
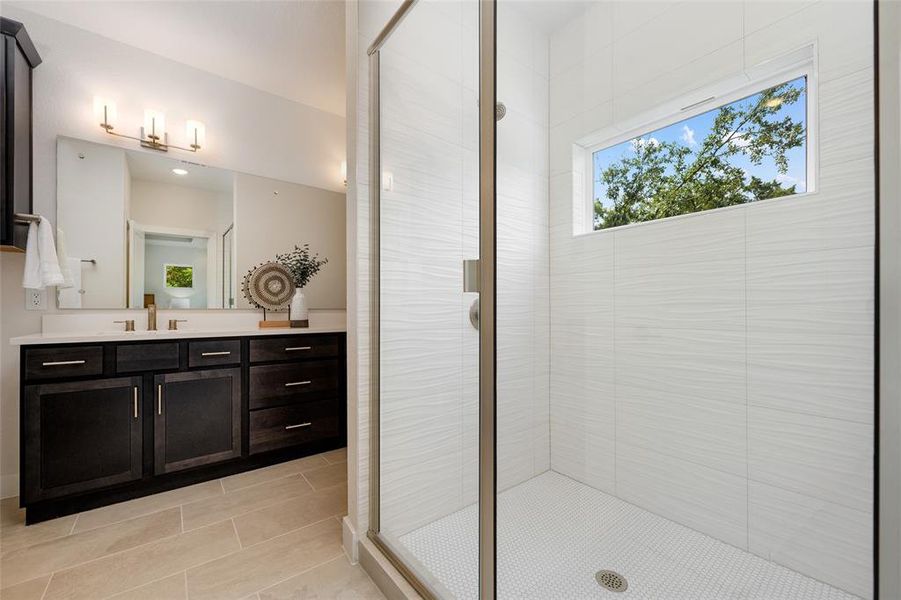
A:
(383, 573)
(9, 485)
(349, 540)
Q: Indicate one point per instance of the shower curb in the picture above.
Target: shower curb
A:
(383, 573)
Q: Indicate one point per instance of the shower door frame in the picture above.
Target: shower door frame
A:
(487, 302)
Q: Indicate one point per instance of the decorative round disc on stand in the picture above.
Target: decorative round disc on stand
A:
(269, 286)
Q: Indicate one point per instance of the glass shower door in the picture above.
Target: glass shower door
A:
(427, 218)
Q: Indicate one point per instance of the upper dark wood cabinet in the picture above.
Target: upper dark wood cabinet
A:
(197, 418)
(17, 59)
(80, 436)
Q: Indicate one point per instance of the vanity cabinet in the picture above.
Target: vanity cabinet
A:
(17, 59)
(197, 418)
(107, 421)
(80, 436)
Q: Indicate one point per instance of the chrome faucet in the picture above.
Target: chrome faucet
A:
(151, 317)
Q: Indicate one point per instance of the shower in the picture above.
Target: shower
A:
(675, 399)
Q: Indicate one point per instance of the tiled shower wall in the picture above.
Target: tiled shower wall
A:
(717, 368)
(429, 225)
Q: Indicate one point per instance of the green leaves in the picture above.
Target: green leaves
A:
(302, 265)
(664, 179)
(178, 276)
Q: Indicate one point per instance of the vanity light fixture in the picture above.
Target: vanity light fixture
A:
(153, 133)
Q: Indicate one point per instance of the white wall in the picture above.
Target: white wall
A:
(716, 368)
(179, 206)
(271, 217)
(247, 130)
(93, 184)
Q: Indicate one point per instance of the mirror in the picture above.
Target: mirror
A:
(142, 228)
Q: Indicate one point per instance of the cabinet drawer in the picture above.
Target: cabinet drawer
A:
(274, 428)
(294, 347)
(54, 363)
(211, 353)
(277, 385)
(146, 357)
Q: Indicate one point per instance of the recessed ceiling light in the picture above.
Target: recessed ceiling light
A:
(179, 171)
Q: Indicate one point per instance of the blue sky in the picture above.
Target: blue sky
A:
(690, 132)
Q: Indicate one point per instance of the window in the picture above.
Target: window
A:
(179, 276)
(751, 149)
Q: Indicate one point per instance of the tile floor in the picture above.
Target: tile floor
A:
(269, 534)
(555, 533)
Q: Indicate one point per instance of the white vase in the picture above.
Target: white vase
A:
(299, 311)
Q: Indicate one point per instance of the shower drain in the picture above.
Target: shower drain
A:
(612, 581)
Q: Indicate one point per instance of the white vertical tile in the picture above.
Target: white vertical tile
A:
(827, 291)
(682, 393)
(762, 13)
(702, 498)
(813, 373)
(842, 32)
(815, 456)
(684, 272)
(674, 39)
(821, 539)
(846, 132)
(841, 217)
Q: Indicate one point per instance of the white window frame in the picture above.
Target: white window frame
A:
(800, 63)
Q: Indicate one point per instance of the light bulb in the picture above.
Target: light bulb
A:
(196, 132)
(104, 112)
(154, 125)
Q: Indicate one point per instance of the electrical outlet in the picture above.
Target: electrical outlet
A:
(35, 299)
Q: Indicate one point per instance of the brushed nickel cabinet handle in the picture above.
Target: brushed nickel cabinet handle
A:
(59, 363)
(299, 425)
(223, 353)
(295, 348)
(293, 383)
(159, 399)
(136, 402)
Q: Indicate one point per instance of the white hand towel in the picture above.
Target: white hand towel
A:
(50, 271)
(65, 265)
(31, 279)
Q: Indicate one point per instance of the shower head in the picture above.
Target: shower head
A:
(499, 111)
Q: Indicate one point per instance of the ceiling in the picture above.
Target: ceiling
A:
(146, 166)
(293, 49)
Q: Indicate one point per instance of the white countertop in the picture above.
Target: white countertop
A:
(132, 336)
(98, 326)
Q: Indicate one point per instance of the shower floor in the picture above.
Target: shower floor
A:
(555, 533)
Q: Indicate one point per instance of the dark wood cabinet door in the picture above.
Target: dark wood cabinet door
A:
(197, 418)
(80, 436)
